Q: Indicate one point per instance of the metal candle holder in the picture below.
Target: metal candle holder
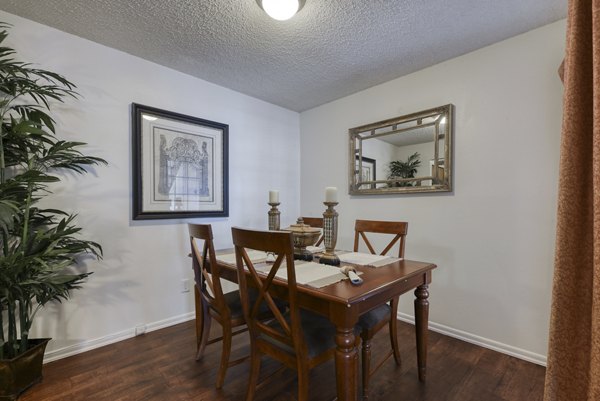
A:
(330, 229)
(274, 215)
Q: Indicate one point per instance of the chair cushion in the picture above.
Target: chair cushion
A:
(232, 299)
(373, 317)
(319, 333)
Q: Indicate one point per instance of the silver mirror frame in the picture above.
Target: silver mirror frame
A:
(419, 184)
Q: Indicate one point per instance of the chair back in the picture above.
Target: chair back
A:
(396, 228)
(206, 268)
(316, 222)
(286, 331)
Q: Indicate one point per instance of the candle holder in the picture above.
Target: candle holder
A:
(274, 216)
(330, 228)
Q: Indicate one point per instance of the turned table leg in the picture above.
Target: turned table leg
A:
(346, 364)
(421, 323)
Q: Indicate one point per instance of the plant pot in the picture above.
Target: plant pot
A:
(23, 371)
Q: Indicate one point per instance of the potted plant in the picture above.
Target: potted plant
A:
(39, 246)
(404, 169)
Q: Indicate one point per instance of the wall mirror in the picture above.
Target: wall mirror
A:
(406, 154)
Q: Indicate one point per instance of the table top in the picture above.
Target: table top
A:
(375, 279)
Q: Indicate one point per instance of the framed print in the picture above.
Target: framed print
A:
(180, 165)
(367, 172)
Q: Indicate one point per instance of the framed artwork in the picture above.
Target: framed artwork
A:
(180, 165)
(367, 171)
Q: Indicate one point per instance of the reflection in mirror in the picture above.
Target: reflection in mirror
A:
(411, 153)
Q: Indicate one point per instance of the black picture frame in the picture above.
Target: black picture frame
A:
(369, 170)
(180, 165)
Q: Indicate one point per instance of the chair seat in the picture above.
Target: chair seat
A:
(319, 333)
(232, 299)
(373, 317)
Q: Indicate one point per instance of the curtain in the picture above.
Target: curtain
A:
(573, 371)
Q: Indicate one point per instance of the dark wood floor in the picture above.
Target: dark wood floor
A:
(161, 366)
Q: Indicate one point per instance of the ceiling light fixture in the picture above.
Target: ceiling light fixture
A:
(281, 10)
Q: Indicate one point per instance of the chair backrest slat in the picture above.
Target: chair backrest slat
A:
(254, 310)
(399, 228)
(206, 269)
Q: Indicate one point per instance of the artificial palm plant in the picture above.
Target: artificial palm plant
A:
(404, 169)
(38, 246)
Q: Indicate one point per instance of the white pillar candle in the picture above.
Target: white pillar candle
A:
(331, 194)
(273, 196)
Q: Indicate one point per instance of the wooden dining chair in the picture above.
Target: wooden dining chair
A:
(316, 222)
(298, 339)
(211, 302)
(373, 321)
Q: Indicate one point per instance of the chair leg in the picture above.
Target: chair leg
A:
(199, 317)
(302, 382)
(254, 372)
(366, 366)
(206, 320)
(225, 353)
(394, 330)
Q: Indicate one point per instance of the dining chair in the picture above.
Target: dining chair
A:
(374, 320)
(211, 302)
(298, 339)
(316, 222)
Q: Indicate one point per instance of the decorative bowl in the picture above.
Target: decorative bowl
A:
(303, 235)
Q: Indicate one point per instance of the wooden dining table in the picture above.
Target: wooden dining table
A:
(342, 303)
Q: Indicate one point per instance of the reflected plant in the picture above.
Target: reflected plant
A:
(404, 169)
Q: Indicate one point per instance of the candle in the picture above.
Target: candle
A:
(331, 194)
(273, 196)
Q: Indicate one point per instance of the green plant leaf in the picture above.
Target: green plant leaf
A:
(39, 247)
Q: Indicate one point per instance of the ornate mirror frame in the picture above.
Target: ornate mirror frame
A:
(406, 154)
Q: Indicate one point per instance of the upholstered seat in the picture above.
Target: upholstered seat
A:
(370, 319)
(233, 301)
(236, 310)
(318, 332)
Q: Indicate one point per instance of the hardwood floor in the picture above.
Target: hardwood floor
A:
(161, 366)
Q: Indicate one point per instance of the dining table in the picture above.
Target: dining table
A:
(343, 302)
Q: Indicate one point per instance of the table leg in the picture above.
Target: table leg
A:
(421, 324)
(346, 364)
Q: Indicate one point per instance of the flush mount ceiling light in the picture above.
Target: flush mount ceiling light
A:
(281, 10)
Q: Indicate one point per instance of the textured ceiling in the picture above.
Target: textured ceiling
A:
(330, 49)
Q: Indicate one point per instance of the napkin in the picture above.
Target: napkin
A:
(366, 259)
(313, 274)
(315, 249)
(255, 257)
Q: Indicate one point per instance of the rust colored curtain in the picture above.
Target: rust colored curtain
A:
(573, 372)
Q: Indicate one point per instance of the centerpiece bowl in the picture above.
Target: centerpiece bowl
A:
(303, 235)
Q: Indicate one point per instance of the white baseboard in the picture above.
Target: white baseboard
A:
(113, 338)
(481, 341)
(439, 328)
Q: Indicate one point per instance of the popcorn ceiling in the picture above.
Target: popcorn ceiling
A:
(330, 49)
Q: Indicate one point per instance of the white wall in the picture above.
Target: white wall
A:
(493, 236)
(139, 280)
